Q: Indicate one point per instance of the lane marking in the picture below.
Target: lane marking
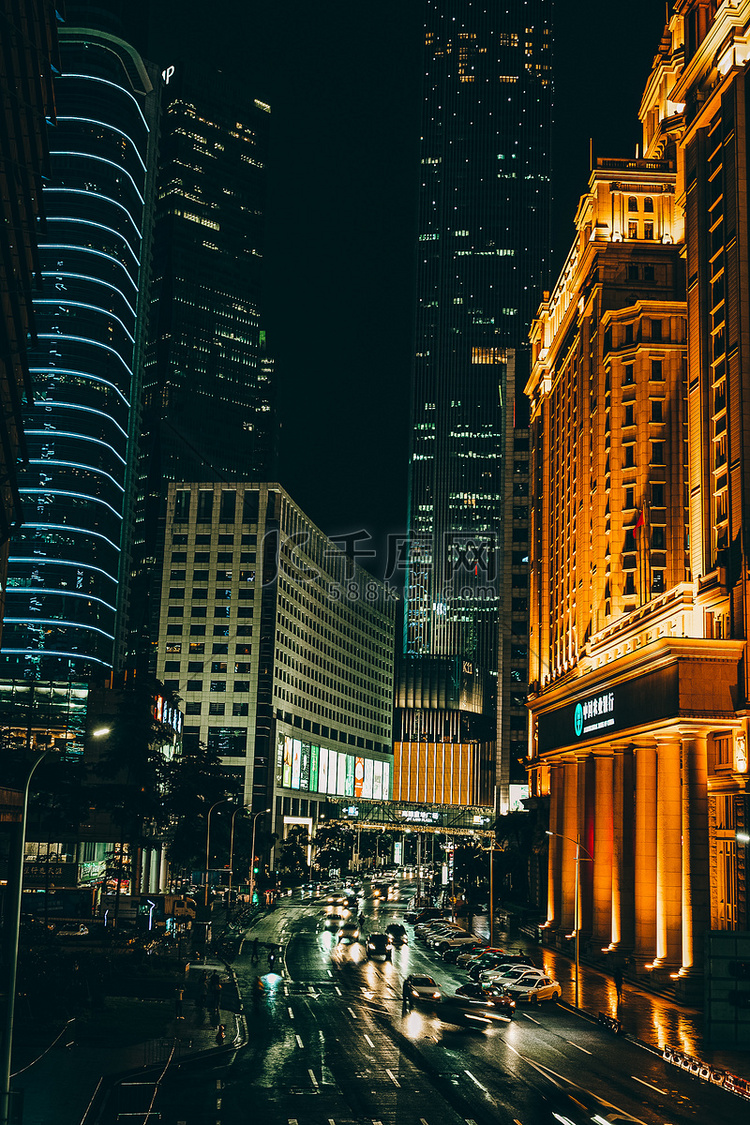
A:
(292, 1121)
(299, 1041)
(393, 1078)
(329, 972)
(337, 989)
(516, 1121)
(578, 1047)
(528, 1017)
(475, 1081)
(369, 1040)
(513, 1049)
(291, 1013)
(313, 1079)
(352, 1014)
(422, 1121)
(649, 1085)
(470, 1121)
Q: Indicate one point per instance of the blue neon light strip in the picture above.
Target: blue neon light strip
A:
(95, 195)
(90, 281)
(96, 226)
(69, 527)
(55, 621)
(78, 465)
(38, 561)
(82, 305)
(107, 125)
(32, 652)
(65, 492)
(101, 160)
(85, 410)
(85, 340)
(78, 437)
(115, 86)
(89, 250)
(45, 590)
(80, 375)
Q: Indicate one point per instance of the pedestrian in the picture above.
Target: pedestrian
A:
(220, 1034)
(179, 997)
(254, 957)
(618, 983)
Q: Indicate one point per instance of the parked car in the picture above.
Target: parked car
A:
(459, 948)
(465, 960)
(421, 989)
(422, 915)
(491, 961)
(379, 945)
(505, 975)
(533, 988)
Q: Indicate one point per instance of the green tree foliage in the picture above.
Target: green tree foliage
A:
(194, 781)
(334, 843)
(292, 861)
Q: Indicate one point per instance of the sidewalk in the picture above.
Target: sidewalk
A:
(656, 1020)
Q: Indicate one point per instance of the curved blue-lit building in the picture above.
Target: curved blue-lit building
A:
(66, 563)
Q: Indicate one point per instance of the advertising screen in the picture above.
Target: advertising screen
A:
(333, 765)
(280, 760)
(367, 787)
(359, 776)
(377, 781)
(287, 778)
(314, 759)
(296, 756)
(386, 781)
(323, 770)
(304, 766)
(341, 782)
(349, 788)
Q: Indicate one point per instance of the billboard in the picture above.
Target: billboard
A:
(314, 759)
(341, 780)
(349, 787)
(359, 776)
(304, 766)
(367, 787)
(333, 766)
(323, 770)
(287, 778)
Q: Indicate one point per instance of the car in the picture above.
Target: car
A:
(424, 915)
(450, 941)
(492, 960)
(497, 996)
(459, 948)
(469, 1012)
(465, 960)
(418, 988)
(334, 920)
(379, 945)
(532, 989)
(73, 931)
(348, 933)
(397, 933)
(442, 929)
(505, 975)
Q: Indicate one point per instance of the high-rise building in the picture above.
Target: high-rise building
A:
(481, 269)
(640, 487)
(28, 33)
(281, 648)
(69, 560)
(208, 390)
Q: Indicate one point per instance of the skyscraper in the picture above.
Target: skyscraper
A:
(482, 262)
(66, 563)
(208, 405)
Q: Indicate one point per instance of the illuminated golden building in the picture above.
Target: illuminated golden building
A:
(639, 490)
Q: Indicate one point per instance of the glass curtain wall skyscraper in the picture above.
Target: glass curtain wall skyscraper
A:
(208, 403)
(66, 564)
(481, 270)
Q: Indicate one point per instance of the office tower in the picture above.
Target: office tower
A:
(481, 268)
(208, 403)
(66, 564)
(638, 620)
(28, 33)
(281, 648)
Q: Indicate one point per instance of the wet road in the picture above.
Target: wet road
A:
(330, 1044)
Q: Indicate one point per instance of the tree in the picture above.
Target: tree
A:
(194, 781)
(292, 862)
(334, 843)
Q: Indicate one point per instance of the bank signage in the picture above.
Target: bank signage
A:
(596, 713)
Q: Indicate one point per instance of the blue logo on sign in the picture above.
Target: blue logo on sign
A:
(578, 719)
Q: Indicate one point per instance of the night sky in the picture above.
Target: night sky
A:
(342, 79)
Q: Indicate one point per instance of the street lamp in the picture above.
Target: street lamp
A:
(579, 848)
(252, 857)
(208, 838)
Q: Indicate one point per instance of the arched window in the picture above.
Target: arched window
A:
(632, 203)
(648, 204)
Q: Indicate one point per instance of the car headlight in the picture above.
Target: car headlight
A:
(414, 992)
(435, 995)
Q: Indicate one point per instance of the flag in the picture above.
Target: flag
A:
(641, 521)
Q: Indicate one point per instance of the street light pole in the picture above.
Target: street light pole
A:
(577, 900)
(208, 838)
(252, 857)
(14, 889)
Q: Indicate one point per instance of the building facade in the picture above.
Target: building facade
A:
(481, 267)
(208, 408)
(280, 648)
(638, 634)
(28, 32)
(67, 564)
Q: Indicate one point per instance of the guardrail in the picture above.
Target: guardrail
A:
(708, 1073)
(610, 1022)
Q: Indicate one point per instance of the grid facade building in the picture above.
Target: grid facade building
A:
(281, 649)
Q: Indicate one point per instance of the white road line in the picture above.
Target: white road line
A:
(422, 1121)
(352, 1014)
(528, 1017)
(313, 1079)
(393, 1078)
(578, 1046)
(291, 1013)
(469, 1121)
(649, 1085)
(292, 1121)
(286, 990)
(299, 1041)
(516, 1121)
(369, 1040)
(329, 972)
(513, 1049)
(337, 989)
(475, 1080)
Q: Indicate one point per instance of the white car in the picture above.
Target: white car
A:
(505, 975)
(421, 989)
(535, 988)
(440, 941)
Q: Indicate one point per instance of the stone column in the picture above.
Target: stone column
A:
(603, 839)
(645, 854)
(554, 882)
(696, 896)
(669, 856)
(623, 889)
(570, 829)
